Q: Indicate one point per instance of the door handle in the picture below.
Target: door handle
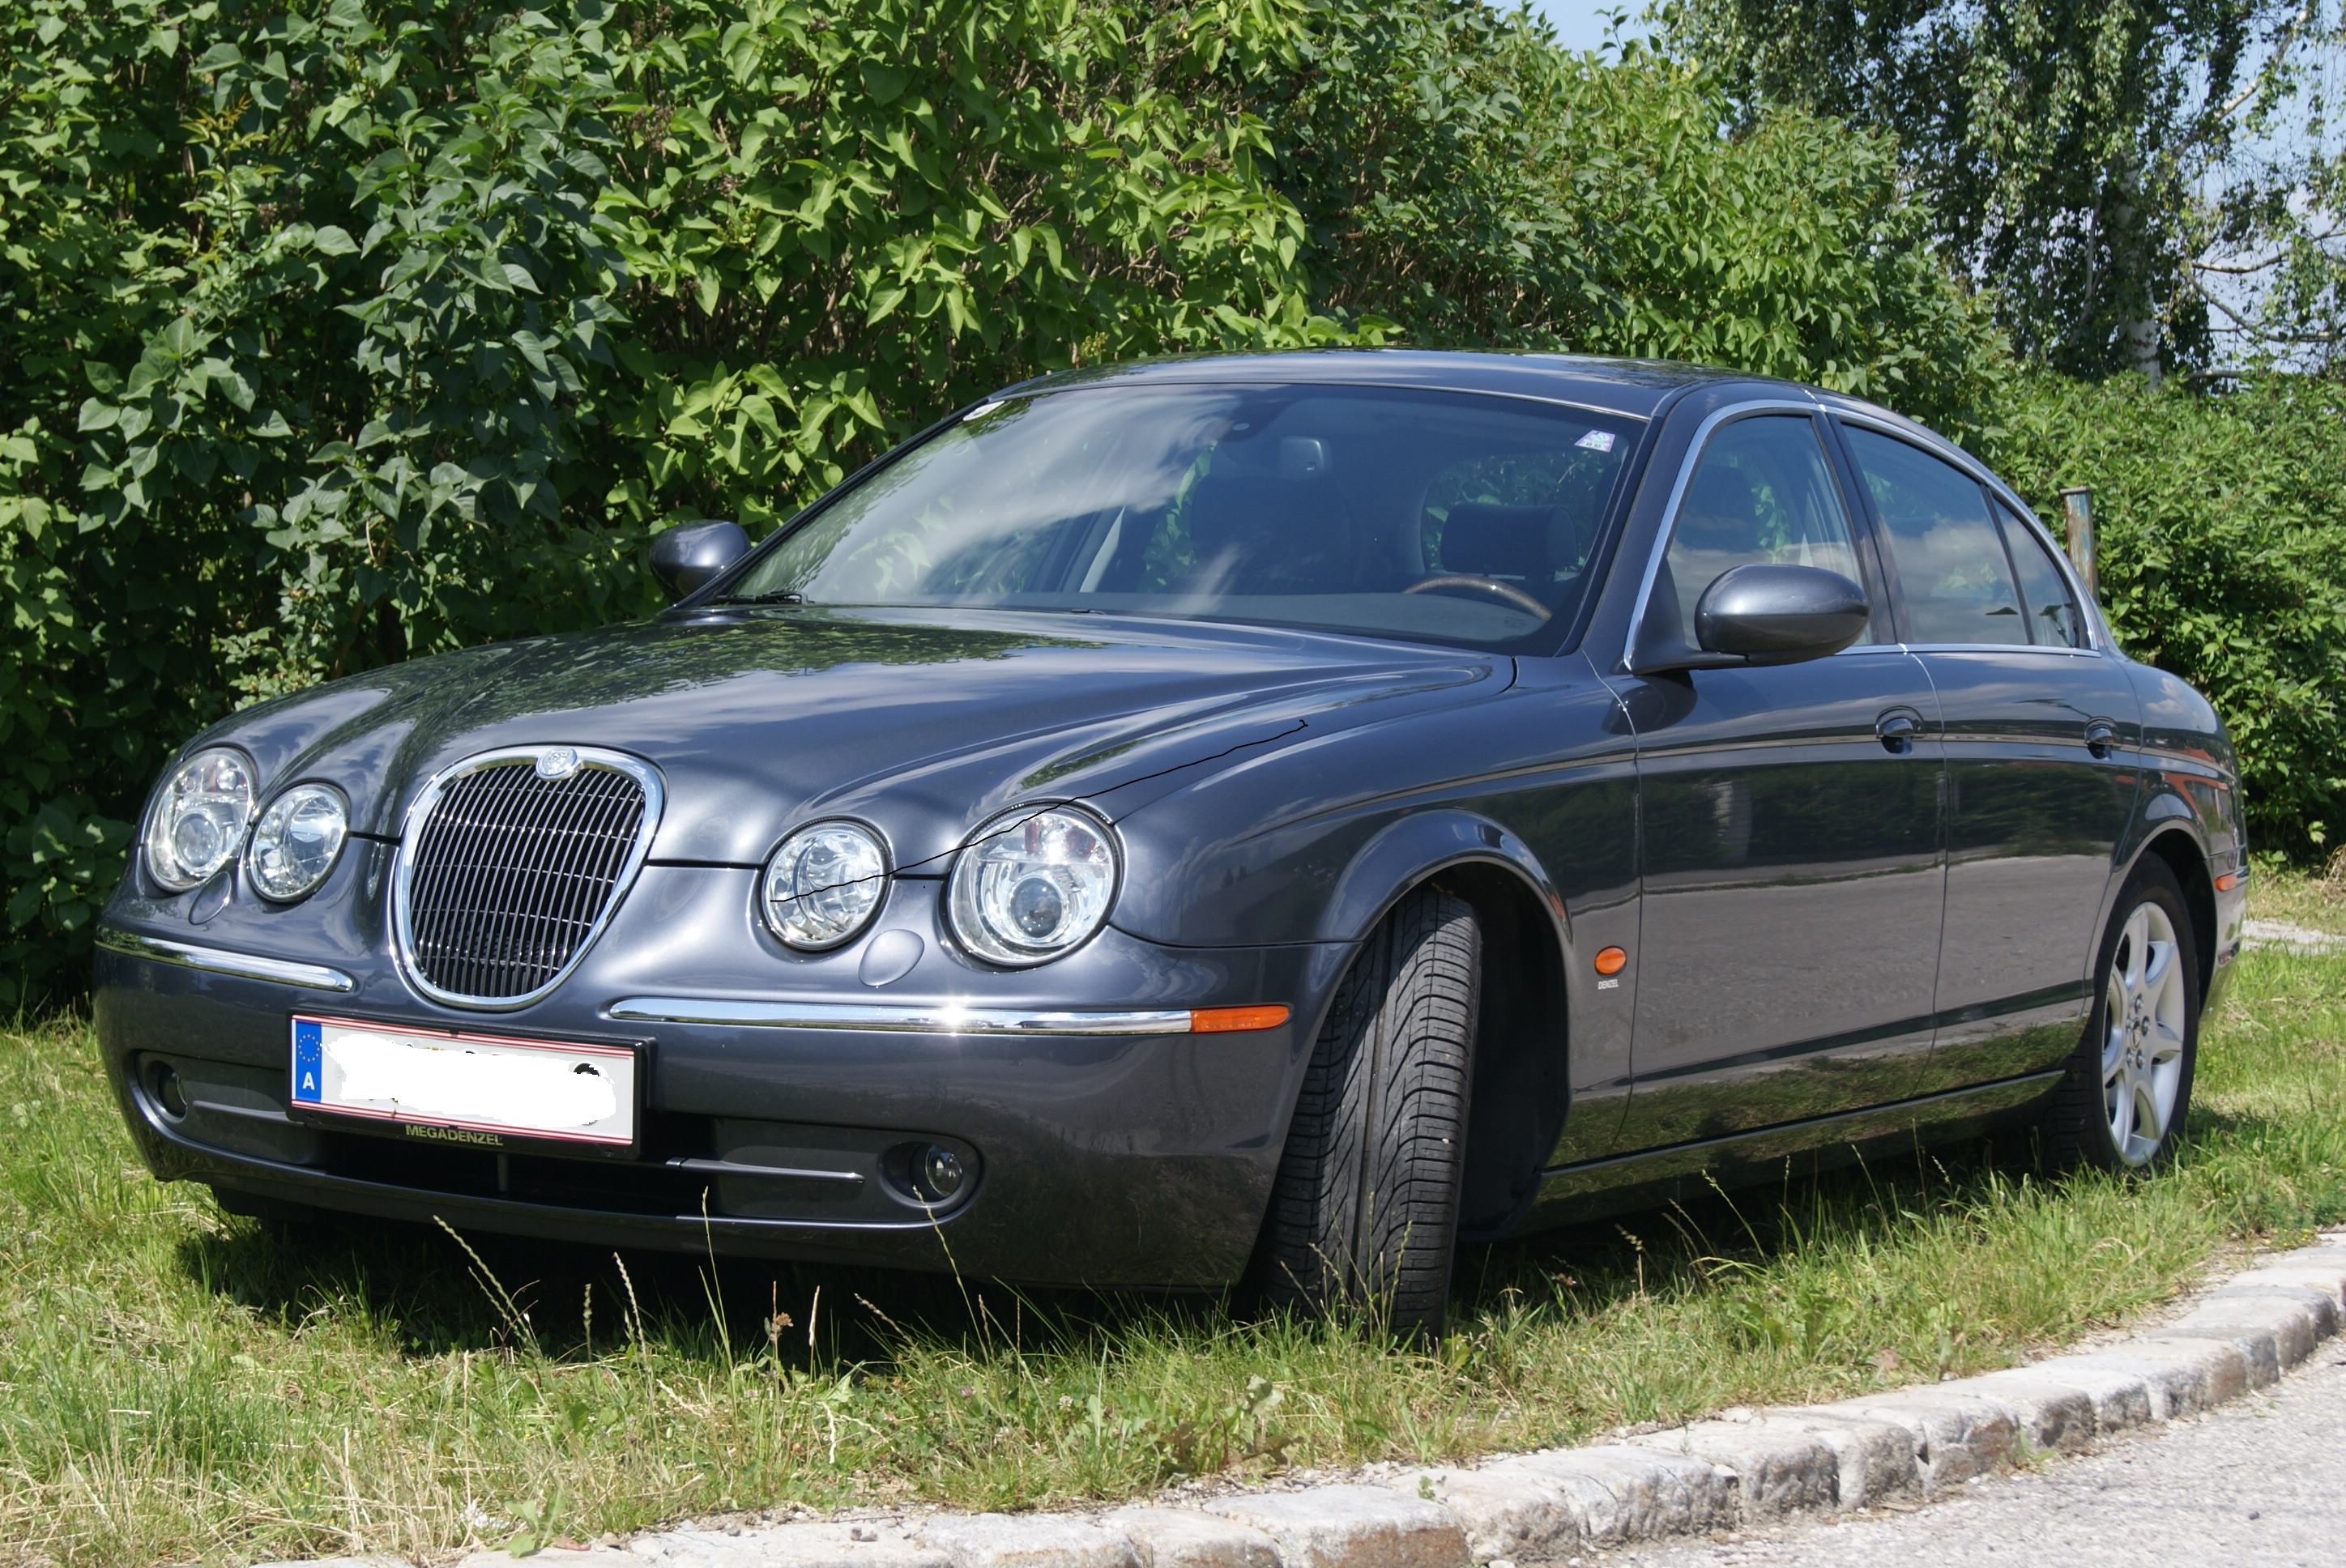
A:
(1897, 729)
(2101, 738)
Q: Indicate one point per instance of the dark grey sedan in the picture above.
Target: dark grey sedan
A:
(1256, 817)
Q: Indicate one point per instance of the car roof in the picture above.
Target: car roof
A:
(1635, 387)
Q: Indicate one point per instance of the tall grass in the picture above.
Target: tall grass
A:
(175, 1384)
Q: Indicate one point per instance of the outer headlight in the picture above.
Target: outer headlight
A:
(823, 884)
(1033, 883)
(295, 844)
(197, 821)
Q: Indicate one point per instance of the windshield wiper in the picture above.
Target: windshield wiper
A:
(777, 596)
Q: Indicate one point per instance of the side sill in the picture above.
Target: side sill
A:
(1570, 1193)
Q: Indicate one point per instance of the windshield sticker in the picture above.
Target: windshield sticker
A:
(1597, 441)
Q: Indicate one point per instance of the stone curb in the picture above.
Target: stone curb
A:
(1513, 1511)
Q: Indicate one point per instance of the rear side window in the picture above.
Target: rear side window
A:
(2054, 620)
(1761, 492)
(1952, 571)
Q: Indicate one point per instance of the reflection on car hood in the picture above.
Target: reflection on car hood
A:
(921, 722)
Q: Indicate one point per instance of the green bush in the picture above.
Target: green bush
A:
(336, 331)
(2219, 520)
(1465, 179)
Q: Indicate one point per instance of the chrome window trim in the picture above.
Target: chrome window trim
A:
(2045, 648)
(410, 827)
(893, 1018)
(1702, 434)
(221, 960)
(1948, 452)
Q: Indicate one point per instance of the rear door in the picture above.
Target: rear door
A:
(2041, 730)
(1788, 836)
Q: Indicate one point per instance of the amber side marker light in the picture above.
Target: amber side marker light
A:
(1611, 960)
(1231, 1020)
(2227, 881)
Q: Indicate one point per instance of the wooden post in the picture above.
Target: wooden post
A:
(2077, 506)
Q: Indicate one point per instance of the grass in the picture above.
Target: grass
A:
(179, 1385)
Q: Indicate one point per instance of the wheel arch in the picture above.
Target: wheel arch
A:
(1521, 1089)
(2188, 861)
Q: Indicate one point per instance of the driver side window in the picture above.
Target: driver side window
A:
(1760, 493)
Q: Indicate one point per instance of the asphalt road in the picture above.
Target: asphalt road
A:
(2260, 1484)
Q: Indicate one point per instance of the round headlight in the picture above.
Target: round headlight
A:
(823, 884)
(1033, 883)
(297, 839)
(197, 822)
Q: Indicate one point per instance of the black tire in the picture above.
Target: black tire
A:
(1365, 1208)
(2079, 1127)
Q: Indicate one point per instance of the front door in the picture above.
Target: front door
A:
(2041, 734)
(1790, 840)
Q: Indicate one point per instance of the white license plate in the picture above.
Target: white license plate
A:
(466, 1083)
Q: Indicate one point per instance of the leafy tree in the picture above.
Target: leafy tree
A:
(338, 331)
(2145, 183)
(1464, 178)
(2217, 520)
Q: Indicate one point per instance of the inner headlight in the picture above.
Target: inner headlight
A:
(295, 844)
(822, 885)
(1033, 883)
(198, 819)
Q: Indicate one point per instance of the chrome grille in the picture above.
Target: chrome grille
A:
(511, 862)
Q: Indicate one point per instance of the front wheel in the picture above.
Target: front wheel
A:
(2121, 1107)
(1365, 1209)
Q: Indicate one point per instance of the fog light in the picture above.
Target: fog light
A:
(163, 1088)
(939, 1174)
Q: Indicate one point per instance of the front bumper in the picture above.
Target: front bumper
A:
(1136, 1155)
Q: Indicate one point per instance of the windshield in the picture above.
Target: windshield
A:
(1428, 515)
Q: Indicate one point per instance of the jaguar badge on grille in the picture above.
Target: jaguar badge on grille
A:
(557, 762)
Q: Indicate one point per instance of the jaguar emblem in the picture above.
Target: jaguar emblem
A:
(557, 762)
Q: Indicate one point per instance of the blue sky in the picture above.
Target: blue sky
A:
(1576, 21)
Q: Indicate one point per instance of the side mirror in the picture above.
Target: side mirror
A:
(689, 555)
(1780, 614)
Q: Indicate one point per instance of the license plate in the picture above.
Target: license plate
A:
(466, 1088)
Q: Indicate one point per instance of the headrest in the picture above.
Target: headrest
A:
(1721, 511)
(1494, 541)
(1267, 535)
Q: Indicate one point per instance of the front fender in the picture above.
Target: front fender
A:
(1407, 852)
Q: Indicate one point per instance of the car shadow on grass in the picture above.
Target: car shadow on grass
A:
(432, 1292)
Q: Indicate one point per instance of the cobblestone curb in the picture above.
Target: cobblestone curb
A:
(1521, 1510)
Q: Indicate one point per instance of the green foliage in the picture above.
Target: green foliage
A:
(339, 331)
(345, 332)
(2218, 522)
(1467, 180)
(2142, 182)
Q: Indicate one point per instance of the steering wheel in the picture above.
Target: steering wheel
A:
(1481, 584)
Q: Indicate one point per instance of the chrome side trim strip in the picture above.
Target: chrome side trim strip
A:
(895, 1019)
(220, 961)
(772, 1173)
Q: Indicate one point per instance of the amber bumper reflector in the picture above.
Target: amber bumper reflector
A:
(1229, 1020)
(1611, 960)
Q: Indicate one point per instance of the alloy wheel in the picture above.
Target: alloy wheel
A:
(2142, 1052)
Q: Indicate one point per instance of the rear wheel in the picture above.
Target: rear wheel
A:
(2121, 1104)
(1365, 1209)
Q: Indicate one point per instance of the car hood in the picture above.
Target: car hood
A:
(921, 723)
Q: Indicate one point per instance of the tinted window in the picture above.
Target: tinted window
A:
(1951, 569)
(2052, 617)
(1761, 491)
(1431, 515)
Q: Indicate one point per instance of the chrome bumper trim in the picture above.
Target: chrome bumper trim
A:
(220, 961)
(895, 1019)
